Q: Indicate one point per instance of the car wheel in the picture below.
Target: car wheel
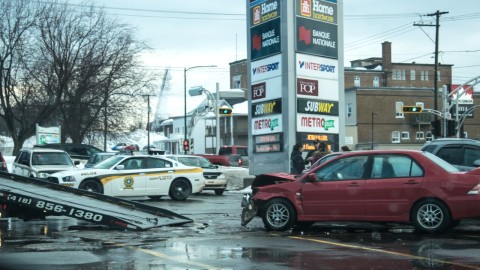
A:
(219, 191)
(431, 216)
(180, 190)
(92, 185)
(155, 198)
(278, 215)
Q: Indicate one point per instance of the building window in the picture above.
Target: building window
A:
(395, 136)
(412, 75)
(424, 75)
(399, 110)
(405, 135)
(349, 110)
(376, 82)
(356, 81)
(398, 74)
(420, 136)
(429, 137)
(237, 81)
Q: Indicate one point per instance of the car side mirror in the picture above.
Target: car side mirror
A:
(25, 162)
(312, 177)
(215, 166)
(120, 167)
(476, 163)
(76, 162)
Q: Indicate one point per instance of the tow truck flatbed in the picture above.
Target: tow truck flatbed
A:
(30, 198)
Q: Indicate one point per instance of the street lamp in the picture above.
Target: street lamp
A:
(185, 99)
(198, 90)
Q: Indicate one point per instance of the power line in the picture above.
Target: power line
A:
(155, 10)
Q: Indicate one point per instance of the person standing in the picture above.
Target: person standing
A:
(308, 158)
(322, 151)
(297, 164)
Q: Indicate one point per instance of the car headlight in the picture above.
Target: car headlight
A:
(69, 179)
(42, 175)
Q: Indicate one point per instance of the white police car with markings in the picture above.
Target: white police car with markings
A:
(142, 175)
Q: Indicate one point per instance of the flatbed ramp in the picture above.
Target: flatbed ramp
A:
(31, 197)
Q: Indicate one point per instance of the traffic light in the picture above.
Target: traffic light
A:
(225, 111)
(411, 109)
(436, 128)
(451, 128)
(186, 145)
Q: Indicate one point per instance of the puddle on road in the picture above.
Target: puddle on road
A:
(171, 248)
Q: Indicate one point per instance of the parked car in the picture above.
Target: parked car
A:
(81, 152)
(41, 162)
(230, 155)
(97, 158)
(461, 153)
(3, 163)
(119, 146)
(142, 175)
(377, 186)
(214, 178)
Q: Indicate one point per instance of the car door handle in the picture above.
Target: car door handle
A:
(412, 182)
(354, 184)
(170, 171)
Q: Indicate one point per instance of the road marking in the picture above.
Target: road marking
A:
(383, 251)
(167, 257)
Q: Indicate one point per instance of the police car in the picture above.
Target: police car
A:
(141, 175)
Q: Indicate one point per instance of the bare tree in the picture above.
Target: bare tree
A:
(96, 58)
(22, 100)
(67, 65)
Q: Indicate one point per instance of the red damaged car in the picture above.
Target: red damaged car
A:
(377, 186)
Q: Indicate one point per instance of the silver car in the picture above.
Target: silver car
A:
(41, 162)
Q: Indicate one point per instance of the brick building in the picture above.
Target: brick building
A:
(375, 89)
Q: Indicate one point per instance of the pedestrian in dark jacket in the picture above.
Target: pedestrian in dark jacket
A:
(297, 164)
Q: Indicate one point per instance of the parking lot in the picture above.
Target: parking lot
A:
(215, 240)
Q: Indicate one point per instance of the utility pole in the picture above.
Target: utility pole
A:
(148, 120)
(435, 78)
(373, 125)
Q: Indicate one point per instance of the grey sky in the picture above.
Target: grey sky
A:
(198, 32)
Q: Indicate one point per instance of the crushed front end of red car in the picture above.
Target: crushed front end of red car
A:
(250, 209)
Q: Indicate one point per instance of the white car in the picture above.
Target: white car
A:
(214, 178)
(142, 175)
(41, 162)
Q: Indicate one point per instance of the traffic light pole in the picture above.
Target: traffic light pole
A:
(217, 120)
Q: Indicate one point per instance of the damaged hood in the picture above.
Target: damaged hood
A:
(272, 179)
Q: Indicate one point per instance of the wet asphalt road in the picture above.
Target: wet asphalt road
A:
(215, 240)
